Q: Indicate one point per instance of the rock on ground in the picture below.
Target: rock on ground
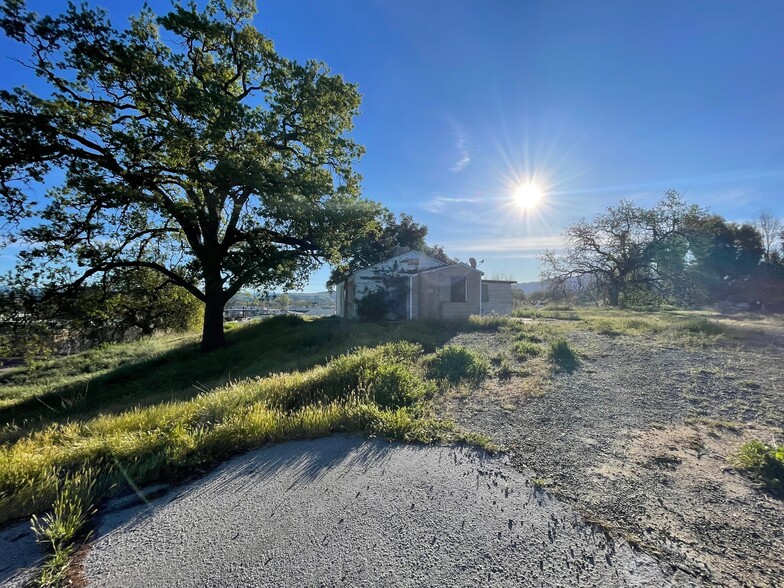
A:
(345, 511)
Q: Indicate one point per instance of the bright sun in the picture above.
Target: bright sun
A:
(528, 196)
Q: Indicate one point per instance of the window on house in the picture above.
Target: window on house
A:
(485, 292)
(458, 290)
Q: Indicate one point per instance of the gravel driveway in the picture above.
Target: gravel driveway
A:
(346, 511)
(641, 439)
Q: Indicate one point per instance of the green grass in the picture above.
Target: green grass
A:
(381, 390)
(114, 378)
(59, 530)
(689, 329)
(764, 462)
(454, 363)
(128, 415)
(523, 349)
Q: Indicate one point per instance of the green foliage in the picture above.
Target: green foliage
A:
(395, 386)
(455, 363)
(726, 261)
(562, 355)
(626, 247)
(115, 377)
(766, 462)
(155, 409)
(488, 322)
(703, 326)
(57, 529)
(526, 349)
(373, 306)
(388, 302)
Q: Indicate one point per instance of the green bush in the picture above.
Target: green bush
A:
(395, 386)
(454, 363)
(373, 307)
(526, 349)
(766, 462)
(346, 377)
(704, 326)
(563, 356)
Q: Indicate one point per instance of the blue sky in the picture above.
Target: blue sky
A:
(593, 101)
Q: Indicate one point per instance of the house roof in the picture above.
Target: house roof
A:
(501, 281)
(451, 265)
(394, 257)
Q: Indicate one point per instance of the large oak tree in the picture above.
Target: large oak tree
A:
(184, 144)
(626, 246)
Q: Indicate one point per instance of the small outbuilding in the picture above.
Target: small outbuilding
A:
(413, 285)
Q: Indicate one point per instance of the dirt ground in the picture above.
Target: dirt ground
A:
(641, 440)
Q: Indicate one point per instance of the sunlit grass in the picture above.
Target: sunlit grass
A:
(685, 328)
(115, 378)
(765, 462)
(382, 390)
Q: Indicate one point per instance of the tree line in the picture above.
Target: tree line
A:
(671, 253)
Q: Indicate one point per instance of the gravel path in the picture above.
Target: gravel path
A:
(637, 439)
(345, 511)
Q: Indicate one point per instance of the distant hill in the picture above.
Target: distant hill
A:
(297, 298)
(529, 287)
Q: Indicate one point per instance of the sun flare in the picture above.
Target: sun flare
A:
(527, 196)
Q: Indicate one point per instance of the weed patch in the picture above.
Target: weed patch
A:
(454, 363)
(526, 349)
(702, 325)
(562, 355)
(764, 462)
(58, 530)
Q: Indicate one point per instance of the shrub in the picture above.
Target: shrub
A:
(373, 306)
(454, 363)
(505, 371)
(528, 336)
(563, 356)
(766, 462)
(341, 379)
(395, 386)
(704, 326)
(525, 349)
(488, 322)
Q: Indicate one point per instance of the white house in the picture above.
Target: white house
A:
(420, 287)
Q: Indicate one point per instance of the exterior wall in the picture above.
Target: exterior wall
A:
(498, 299)
(340, 299)
(434, 296)
(371, 279)
(414, 297)
(350, 311)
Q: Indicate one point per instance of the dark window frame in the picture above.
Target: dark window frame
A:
(458, 291)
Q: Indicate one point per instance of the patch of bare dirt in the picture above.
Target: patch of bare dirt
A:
(642, 439)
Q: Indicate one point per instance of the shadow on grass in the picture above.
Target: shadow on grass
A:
(279, 344)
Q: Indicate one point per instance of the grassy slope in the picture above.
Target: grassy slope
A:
(166, 410)
(113, 378)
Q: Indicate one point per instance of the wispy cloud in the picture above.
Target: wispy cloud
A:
(462, 144)
(439, 203)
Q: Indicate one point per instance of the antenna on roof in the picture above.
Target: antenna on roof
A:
(472, 262)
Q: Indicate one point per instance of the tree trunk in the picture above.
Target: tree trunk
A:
(614, 294)
(212, 336)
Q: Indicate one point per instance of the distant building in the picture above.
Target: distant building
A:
(415, 286)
